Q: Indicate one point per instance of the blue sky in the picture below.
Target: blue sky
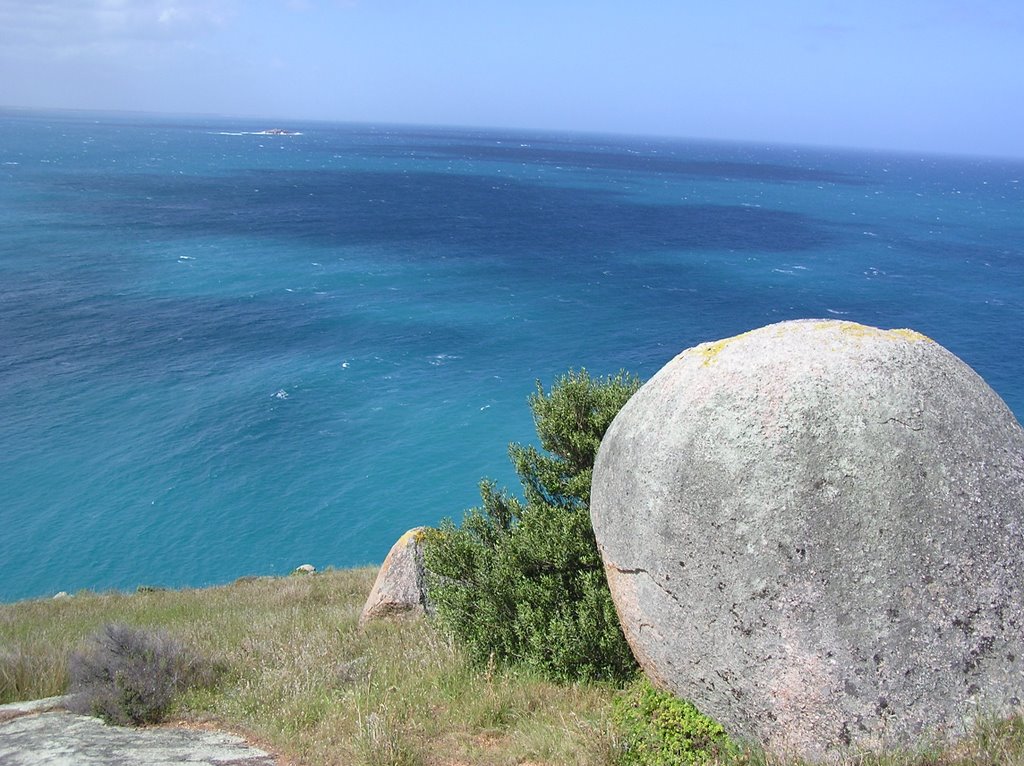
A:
(919, 75)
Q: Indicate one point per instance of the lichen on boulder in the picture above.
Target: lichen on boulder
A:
(815, 532)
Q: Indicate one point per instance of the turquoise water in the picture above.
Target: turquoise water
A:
(225, 353)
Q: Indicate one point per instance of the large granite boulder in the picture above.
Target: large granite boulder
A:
(400, 588)
(815, 531)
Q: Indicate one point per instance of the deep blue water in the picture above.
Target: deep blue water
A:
(225, 354)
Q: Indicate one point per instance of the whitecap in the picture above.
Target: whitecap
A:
(837, 313)
(281, 394)
(439, 359)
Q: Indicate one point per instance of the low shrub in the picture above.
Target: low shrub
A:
(521, 581)
(131, 676)
(657, 728)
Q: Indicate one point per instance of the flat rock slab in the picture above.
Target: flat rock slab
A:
(16, 709)
(59, 738)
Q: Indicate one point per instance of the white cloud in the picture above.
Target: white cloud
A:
(65, 27)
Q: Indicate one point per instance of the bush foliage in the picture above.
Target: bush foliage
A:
(521, 581)
(131, 676)
(658, 729)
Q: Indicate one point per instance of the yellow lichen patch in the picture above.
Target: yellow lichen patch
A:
(912, 335)
(413, 535)
(856, 330)
(848, 328)
(709, 351)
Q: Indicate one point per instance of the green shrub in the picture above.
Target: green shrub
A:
(659, 729)
(131, 676)
(521, 581)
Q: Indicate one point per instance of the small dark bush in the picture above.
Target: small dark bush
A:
(659, 729)
(521, 581)
(131, 676)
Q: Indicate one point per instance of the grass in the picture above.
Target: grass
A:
(304, 681)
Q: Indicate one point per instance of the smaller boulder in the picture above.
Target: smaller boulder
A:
(400, 589)
(305, 569)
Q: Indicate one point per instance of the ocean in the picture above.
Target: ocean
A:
(225, 353)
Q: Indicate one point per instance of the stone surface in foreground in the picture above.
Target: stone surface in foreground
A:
(814, 531)
(59, 738)
(400, 588)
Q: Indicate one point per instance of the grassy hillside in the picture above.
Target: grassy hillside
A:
(303, 681)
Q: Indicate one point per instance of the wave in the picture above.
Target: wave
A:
(254, 133)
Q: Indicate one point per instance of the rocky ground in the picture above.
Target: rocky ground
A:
(42, 732)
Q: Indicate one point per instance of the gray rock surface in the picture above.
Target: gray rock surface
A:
(59, 738)
(18, 709)
(815, 531)
(400, 588)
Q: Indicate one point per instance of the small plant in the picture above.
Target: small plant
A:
(380, 741)
(658, 729)
(131, 676)
(31, 673)
(521, 581)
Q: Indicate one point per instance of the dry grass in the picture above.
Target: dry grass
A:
(304, 681)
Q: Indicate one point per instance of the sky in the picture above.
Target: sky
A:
(926, 76)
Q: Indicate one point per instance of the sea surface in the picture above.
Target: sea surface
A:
(225, 353)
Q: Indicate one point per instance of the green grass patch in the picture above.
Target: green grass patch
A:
(658, 729)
